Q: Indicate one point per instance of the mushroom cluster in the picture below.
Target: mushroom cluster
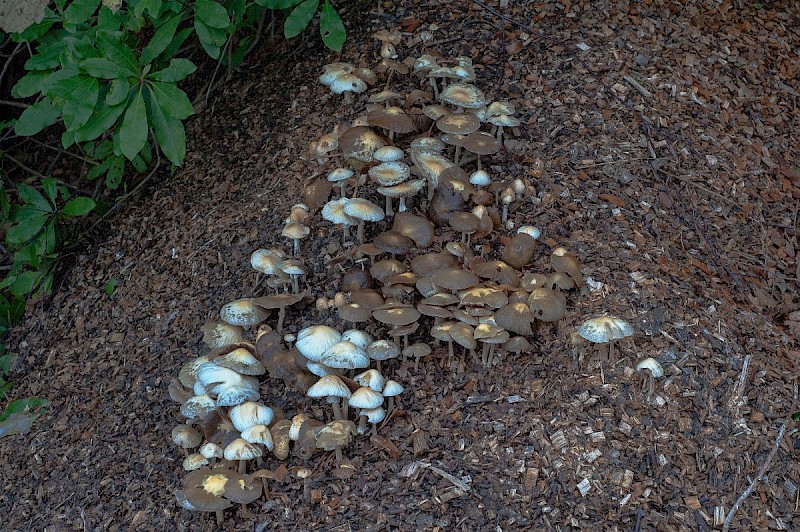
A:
(434, 260)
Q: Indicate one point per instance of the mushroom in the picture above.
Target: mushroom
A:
(241, 450)
(381, 350)
(371, 378)
(463, 96)
(515, 317)
(358, 144)
(204, 490)
(243, 312)
(605, 330)
(279, 301)
(392, 389)
(187, 437)
(241, 360)
(304, 474)
(294, 269)
(334, 436)
(465, 223)
(249, 414)
(417, 228)
(364, 398)
(653, 369)
(373, 416)
(490, 335)
(266, 260)
(519, 251)
(345, 355)
(364, 211)
(339, 177)
(314, 341)
(394, 243)
(417, 351)
(547, 304)
(392, 119)
(296, 232)
(454, 279)
(194, 461)
(563, 261)
(397, 316)
(280, 437)
(333, 211)
(357, 337)
(217, 333)
(402, 191)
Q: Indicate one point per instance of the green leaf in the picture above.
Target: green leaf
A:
(133, 132)
(6, 361)
(80, 10)
(114, 176)
(161, 39)
(30, 84)
(33, 405)
(108, 288)
(177, 41)
(331, 27)
(50, 187)
(103, 68)
(22, 232)
(119, 52)
(168, 131)
(207, 34)
(78, 206)
(177, 70)
(120, 88)
(36, 117)
(35, 31)
(34, 198)
(212, 13)
(47, 55)
(796, 416)
(299, 18)
(108, 21)
(98, 169)
(26, 282)
(80, 96)
(277, 4)
(172, 100)
(103, 118)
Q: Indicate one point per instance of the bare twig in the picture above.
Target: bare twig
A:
(728, 518)
(12, 103)
(635, 84)
(16, 50)
(735, 400)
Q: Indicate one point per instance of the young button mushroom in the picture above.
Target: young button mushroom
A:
(563, 261)
(241, 450)
(186, 437)
(296, 232)
(333, 389)
(605, 330)
(391, 390)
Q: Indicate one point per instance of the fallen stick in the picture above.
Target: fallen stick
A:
(728, 518)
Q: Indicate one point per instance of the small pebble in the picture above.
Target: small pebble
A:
(642, 60)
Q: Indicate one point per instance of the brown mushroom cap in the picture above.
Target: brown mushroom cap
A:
(217, 333)
(491, 334)
(519, 251)
(547, 305)
(278, 300)
(417, 228)
(366, 298)
(518, 344)
(563, 261)
(458, 124)
(383, 269)
(497, 271)
(242, 489)
(359, 143)
(280, 437)
(394, 242)
(417, 350)
(454, 279)
(354, 312)
(404, 315)
(434, 311)
(560, 280)
(428, 263)
(531, 281)
(515, 317)
(392, 119)
(335, 434)
(430, 165)
(483, 296)
(481, 143)
(464, 222)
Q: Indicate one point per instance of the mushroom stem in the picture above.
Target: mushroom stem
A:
(220, 517)
(458, 153)
(342, 184)
(345, 411)
(485, 354)
(402, 207)
(295, 285)
(339, 455)
(296, 247)
(380, 370)
(345, 233)
(360, 233)
(242, 467)
(362, 424)
(307, 489)
(389, 210)
(390, 405)
(375, 429)
(281, 316)
(450, 349)
(504, 217)
(337, 411)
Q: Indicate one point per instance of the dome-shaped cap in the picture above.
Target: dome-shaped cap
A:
(312, 342)
(463, 95)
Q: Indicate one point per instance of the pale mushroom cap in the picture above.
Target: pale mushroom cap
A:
(334, 71)
(259, 434)
(198, 406)
(388, 154)
(241, 449)
(374, 415)
(480, 178)
(295, 231)
(215, 377)
(248, 414)
(363, 210)
(371, 378)
(430, 165)
(605, 329)
(211, 450)
(265, 260)
(463, 95)
(333, 211)
(340, 174)
(318, 369)
(329, 386)
(656, 369)
(365, 398)
(345, 355)
(359, 338)
(392, 388)
(348, 83)
(383, 350)
(186, 436)
(390, 173)
(292, 267)
(312, 342)
(533, 232)
(241, 361)
(194, 461)
(243, 312)
(237, 394)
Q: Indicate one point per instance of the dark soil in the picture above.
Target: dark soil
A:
(680, 201)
